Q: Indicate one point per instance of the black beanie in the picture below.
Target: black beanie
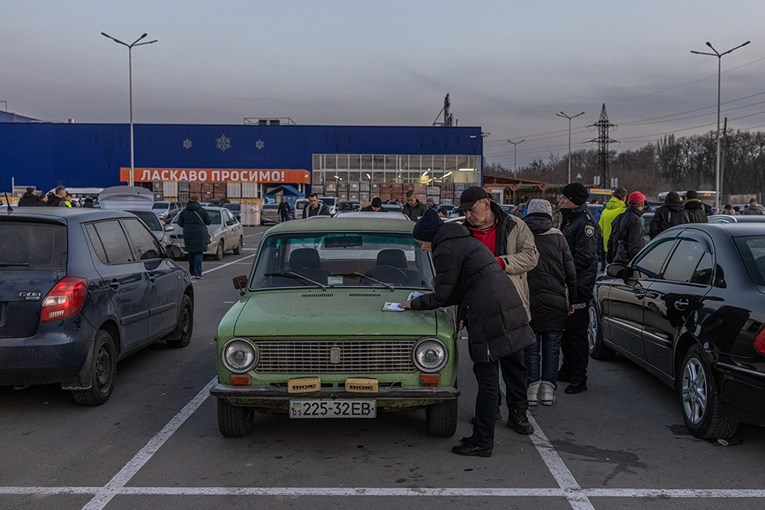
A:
(426, 226)
(576, 192)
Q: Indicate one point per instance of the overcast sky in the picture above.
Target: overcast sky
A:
(508, 65)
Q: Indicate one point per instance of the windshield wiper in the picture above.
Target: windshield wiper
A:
(290, 274)
(11, 264)
(362, 275)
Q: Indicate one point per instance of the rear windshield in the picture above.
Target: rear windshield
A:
(752, 249)
(32, 245)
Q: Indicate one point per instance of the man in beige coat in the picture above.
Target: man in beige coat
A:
(512, 243)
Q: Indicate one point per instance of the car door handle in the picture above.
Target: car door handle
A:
(114, 285)
(681, 304)
(640, 294)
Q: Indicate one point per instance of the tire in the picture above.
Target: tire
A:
(598, 349)
(219, 251)
(103, 372)
(185, 326)
(234, 421)
(442, 418)
(238, 248)
(700, 398)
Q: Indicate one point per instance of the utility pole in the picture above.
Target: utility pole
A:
(603, 125)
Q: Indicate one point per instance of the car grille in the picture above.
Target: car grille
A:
(350, 357)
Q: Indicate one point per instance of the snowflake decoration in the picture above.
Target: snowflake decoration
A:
(187, 144)
(259, 144)
(223, 143)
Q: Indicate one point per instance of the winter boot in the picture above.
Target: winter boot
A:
(520, 422)
(531, 393)
(546, 393)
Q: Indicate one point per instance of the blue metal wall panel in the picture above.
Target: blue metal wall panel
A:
(80, 155)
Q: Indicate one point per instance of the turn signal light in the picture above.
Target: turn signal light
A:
(430, 379)
(759, 341)
(240, 380)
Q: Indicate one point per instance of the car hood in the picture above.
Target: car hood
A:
(317, 313)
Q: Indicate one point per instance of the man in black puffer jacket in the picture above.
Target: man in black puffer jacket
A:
(670, 214)
(627, 231)
(583, 236)
(695, 212)
(552, 288)
(467, 274)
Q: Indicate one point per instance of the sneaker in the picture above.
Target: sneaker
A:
(546, 393)
(196, 277)
(574, 388)
(532, 393)
(520, 422)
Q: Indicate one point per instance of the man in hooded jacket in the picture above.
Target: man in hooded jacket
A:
(468, 275)
(627, 232)
(695, 212)
(670, 214)
(616, 205)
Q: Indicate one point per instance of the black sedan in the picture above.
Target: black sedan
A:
(81, 289)
(690, 309)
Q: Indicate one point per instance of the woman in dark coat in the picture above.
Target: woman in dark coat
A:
(552, 290)
(467, 274)
(194, 220)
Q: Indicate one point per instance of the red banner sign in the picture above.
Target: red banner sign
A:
(256, 175)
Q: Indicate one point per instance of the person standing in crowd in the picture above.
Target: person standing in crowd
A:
(429, 203)
(314, 207)
(627, 231)
(616, 205)
(468, 275)
(552, 289)
(583, 237)
(413, 208)
(694, 209)
(752, 208)
(284, 210)
(670, 214)
(29, 198)
(194, 220)
(512, 243)
(43, 200)
(374, 206)
(57, 198)
(443, 213)
(728, 209)
(88, 202)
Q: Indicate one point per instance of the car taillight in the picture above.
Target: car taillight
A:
(759, 341)
(64, 299)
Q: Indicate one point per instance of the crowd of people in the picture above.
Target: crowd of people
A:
(59, 197)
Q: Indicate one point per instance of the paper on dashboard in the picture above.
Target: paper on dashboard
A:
(392, 307)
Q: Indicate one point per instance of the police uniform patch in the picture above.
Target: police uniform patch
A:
(589, 230)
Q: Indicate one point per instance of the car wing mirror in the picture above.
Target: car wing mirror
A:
(230, 222)
(240, 283)
(168, 228)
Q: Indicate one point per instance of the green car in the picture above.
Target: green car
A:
(316, 333)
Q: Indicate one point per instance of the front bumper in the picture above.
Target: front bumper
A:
(387, 398)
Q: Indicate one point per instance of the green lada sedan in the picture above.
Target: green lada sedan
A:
(317, 333)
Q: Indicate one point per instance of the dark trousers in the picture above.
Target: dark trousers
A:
(486, 402)
(575, 347)
(195, 264)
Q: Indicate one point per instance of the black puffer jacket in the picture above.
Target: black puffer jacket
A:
(626, 236)
(552, 283)
(468, 275)
(695, 211)
(583, 236)
(414, 211)
(194, 220)
(667, 216)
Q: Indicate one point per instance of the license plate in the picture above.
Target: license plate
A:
(325, 408)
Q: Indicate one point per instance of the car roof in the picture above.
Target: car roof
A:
(349, 223)
(371, 214)
(739, 218)
(63, 215)
(732, 229)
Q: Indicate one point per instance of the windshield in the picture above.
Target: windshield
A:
(160, 206)
(342, 259)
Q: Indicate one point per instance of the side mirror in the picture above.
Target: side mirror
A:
(615, 270)
(230, 222)
(168, 228)
(240, 282)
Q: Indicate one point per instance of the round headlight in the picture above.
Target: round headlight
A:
(239, 355)
(430, 355)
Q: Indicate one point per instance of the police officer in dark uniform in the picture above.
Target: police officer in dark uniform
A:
(583, 235)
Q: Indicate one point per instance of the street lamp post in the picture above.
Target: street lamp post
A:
(515, 154)
(718, 184)
(561, 114)
(130, 79)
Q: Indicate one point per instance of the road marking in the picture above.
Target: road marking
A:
(237, 261)
(105, 494)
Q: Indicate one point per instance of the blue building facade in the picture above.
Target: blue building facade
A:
(242, 159)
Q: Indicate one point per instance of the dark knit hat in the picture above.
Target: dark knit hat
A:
(470, 196)
(426, 226)
(376, 202)
(576, 192)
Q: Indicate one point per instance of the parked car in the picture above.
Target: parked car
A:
(331, 203)
(83, 288)
(348, 205)
(341, 356)
(166, 211)
(300, 204)
(269, 214)
(395, 208)
(235, 208)
(739, 218)
(226, 233)
(136, 200)
(690, 309)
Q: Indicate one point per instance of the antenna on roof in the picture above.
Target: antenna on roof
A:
(7, 201)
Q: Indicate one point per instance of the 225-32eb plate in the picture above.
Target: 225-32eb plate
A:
(327, 408)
